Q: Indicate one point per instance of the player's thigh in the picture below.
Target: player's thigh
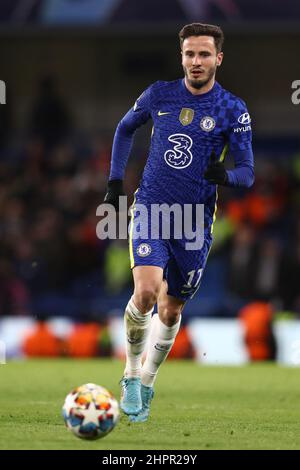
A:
(147, 275)
(185, 269)
(147, 282)
(149, 257)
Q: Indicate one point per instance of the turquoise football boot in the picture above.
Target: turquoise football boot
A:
(147, 394)
(131, 401)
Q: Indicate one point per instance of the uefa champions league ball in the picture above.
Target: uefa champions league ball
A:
(90, 411)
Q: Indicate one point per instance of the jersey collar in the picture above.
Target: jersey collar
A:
(209, 93)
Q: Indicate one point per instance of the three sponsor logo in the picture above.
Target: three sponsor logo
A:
(180, 156)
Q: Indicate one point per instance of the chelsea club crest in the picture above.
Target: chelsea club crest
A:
(143, 249)
(207, 124)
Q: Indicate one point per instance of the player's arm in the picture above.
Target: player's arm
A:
(240, 147)
(138, 115)
(241, 176)
(243, 173)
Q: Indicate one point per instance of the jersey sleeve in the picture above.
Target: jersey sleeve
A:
(239, 131)
(240, 146)
(138, 115)
(243, 173)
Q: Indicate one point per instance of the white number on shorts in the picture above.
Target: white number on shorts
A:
(191, 275)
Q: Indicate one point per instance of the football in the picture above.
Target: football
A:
(90, 411)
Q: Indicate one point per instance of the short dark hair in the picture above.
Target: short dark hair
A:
(200, 29)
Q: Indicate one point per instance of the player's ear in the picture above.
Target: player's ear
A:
(181, 52)
(220, 56)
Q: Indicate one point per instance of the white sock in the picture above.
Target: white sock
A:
(137, 328)
(162, 338)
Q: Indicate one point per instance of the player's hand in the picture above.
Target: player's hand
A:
(215, 172)
(114, 190)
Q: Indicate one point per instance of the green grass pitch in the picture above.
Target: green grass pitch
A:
(195, 407)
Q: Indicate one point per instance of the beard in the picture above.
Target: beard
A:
(199, 83)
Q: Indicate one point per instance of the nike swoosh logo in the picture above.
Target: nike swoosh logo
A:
(160, 113)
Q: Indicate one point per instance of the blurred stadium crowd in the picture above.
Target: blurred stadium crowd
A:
(51, 263)
(155, 11)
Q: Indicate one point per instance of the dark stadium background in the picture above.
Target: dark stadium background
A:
(72, 69)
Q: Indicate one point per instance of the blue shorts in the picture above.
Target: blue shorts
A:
(183, 268)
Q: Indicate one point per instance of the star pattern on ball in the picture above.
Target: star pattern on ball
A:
(91, 415)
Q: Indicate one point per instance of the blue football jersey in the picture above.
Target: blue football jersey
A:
(186, 128)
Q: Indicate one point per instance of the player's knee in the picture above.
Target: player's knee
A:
(170, 315)
(145, 297)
